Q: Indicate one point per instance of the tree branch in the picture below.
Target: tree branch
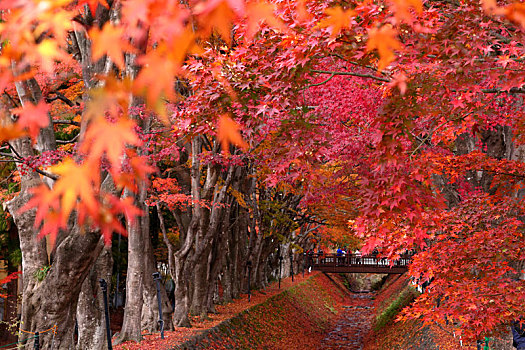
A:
(64, 121)
(18, 159)
(352, 74)
(61, 97)
(321, 83)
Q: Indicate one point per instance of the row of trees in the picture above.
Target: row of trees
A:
(248, 124)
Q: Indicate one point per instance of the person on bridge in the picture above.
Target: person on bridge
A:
(357, 256)
(339, 254)
(320, 256)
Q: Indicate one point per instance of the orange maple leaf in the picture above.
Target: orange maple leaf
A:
(109, 217)
(44, 200)
(103, 136)
(53, 223)
(385, 41)
(516, 12)
(337, 19)
(228, 132)
(76, 181)
(10, 133)
(302, 11)
(48, 212)
(402, 8)
(140, 169)
(33, 117)
(155, 79)
(258, 12)
(108, 41)
(217, 15)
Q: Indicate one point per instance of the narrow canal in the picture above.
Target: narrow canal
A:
(353, 325)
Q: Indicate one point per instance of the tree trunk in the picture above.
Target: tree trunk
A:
(200, 287)
(52, 302)
(131, 327)
(180, 313)
(90, 307)
(150, 310)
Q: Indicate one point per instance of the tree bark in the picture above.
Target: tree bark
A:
(131, 327)
(90, 307)
(150, 312)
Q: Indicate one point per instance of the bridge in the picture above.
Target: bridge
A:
(351, 263)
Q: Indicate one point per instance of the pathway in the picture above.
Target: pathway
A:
(354, 323)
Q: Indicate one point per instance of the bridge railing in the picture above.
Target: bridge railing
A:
(326, 260)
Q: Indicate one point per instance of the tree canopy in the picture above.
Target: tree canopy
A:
(398, 125)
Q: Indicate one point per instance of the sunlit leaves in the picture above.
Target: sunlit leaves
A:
(385, 41)
(75, 182)
(337, 19)
(258, 12)
(160, 67)
(402, 8)
(32, 117)
(49, 52)
(218, 15)
(228, 133)
(110, 138)
(516, 12)
(109, 41)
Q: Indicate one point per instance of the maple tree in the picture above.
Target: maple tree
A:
(408, 113)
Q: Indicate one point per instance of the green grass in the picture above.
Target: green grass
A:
(406, 296)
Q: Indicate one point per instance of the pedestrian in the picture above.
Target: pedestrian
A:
(310, 254)
(339, 254)
(518, 334)
(357, 256)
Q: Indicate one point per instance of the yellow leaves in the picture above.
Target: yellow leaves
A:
(238, 196)
(337, 19)
(58, 22)
(49, 52)
(228, 133)
(385, 41)
(109, 41)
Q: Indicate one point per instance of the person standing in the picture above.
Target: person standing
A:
(357, 256)
(518, 334)
(339, 254)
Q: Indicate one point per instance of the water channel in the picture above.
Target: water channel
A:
(353, 325)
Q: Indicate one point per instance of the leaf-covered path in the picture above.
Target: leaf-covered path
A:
(349, 332)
